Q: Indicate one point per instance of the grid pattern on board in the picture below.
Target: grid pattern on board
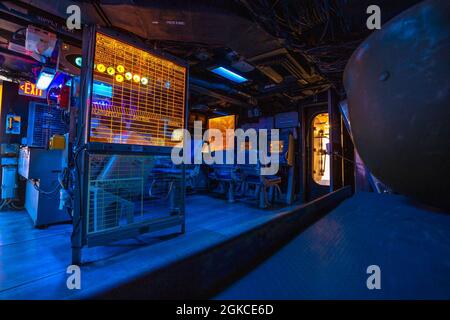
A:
(128, 189)
(138, 98)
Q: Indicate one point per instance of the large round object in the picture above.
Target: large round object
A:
(397, 85)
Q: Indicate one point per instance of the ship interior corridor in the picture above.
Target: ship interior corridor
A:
(224, 150)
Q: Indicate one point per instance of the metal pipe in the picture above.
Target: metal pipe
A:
(205, 87)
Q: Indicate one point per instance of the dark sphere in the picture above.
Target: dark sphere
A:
(397, 85)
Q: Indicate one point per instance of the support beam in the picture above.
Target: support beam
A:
(348, 150)
(208, 92)
(335, 147)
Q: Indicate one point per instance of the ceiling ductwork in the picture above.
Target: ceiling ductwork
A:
(214, 23)
(202, 32)
(281, 65)
(283, 62)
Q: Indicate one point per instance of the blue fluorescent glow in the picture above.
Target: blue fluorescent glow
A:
(79, 61)
(101, 104)
(45, 78)
(230, 75)
(102, 89)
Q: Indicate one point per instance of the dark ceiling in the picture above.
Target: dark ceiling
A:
(289, 49)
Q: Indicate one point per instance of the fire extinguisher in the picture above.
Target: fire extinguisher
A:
(64, 98)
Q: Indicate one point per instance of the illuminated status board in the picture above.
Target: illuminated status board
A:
(138, 98)
(223, 124)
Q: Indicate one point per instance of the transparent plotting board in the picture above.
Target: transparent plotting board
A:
(128, 189)
(138, 98)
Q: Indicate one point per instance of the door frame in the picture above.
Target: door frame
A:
(311, 190)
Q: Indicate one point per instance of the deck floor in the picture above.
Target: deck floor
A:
(410, 244)
(33, 262)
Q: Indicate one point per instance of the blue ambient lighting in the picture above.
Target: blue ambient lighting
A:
(102, 89)
(101, 104)
(230, 75)
(45, 78)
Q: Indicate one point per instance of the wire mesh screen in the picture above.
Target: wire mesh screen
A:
(44, 121)
(138, 98)
(127, 189)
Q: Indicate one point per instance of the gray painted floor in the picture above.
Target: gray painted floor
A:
(33, 262)
(410, 244)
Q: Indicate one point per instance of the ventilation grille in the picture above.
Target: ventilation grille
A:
(283, 65)
(138, 98)
(44, 121)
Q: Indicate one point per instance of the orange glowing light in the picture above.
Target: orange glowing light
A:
(111, 71)
(120, 68)
(136, 78)
(320, 156)
(30, 89)
(119, 78)
(128, 76)
(222, 124)
(140, 111)
(101, 68)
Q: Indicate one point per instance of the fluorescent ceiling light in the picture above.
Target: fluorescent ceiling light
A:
(4, 78)
(228, 74)
(45, 78)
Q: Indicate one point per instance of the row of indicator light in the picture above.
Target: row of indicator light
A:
(120, 74)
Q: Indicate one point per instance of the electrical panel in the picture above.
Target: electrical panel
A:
(9, 170)
(9, 182)
(13, 124)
